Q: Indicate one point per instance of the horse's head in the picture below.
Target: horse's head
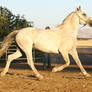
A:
(83, 17)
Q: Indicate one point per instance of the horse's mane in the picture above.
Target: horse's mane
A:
(65, 20)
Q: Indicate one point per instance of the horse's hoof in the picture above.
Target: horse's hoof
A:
(87, 75)
(2, 74)
(54, 70)
(40, 77)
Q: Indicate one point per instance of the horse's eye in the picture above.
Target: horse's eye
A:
(84, 14)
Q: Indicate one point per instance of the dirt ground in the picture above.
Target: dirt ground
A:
(20, 78)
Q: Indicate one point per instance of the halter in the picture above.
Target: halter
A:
(79, 20)
(82, 19)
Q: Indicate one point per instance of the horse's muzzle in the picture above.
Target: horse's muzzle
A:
(89, 22)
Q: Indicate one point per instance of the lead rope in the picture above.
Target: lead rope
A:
(82, 26)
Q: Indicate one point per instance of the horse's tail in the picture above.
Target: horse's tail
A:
(7, 42)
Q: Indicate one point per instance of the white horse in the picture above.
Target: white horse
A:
(61, 39)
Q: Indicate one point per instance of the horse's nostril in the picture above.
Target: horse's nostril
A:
(90, 23)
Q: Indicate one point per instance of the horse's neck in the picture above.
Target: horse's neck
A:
(70, 25)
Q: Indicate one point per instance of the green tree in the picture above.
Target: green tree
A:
(21, 22)
(10, 22)
(4, 21)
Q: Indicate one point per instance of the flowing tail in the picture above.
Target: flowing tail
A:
(7, 42)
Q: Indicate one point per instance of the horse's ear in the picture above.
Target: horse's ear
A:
(78, 8)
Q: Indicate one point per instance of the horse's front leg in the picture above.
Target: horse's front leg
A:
(67, 62)
(74, 54)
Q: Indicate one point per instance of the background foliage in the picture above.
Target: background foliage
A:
(10, 22)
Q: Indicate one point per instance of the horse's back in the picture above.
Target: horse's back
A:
(26, 33)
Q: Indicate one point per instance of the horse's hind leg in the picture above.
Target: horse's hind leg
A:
(31, 64)
(74, 54)
(27, 48)
(11, 57)
(67, 62)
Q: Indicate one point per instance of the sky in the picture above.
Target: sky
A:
(46, 12)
